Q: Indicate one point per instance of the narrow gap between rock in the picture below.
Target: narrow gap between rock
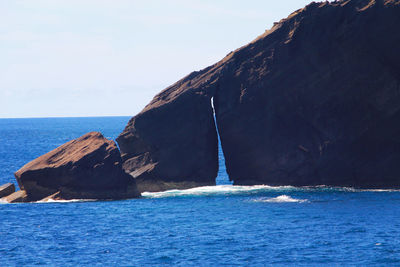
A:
(222, 178)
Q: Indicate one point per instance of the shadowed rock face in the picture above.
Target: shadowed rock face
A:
(87, 168)
(173, 142)
(315, 100)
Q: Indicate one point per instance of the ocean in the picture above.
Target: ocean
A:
(205, 226)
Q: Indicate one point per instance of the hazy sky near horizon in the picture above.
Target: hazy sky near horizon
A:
(109, 58)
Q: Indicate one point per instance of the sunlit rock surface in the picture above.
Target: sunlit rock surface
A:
(88, 167)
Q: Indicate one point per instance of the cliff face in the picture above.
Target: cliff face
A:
(173, 142)
(314, 100)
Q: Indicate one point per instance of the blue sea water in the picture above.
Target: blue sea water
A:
(207, 226)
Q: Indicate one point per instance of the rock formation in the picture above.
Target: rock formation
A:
(89, 167)
(7, 189)
(314, 100)
(173, 142)
(17, 197)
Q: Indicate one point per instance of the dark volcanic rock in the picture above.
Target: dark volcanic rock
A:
(172, 143)
(86, 168)
(7, 189)
(315, 100)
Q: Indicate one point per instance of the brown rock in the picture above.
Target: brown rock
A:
(17, 197)
(87, 167)
(7, 189)
(55, 196)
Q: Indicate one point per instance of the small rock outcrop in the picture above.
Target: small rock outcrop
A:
(17, 197)
(7, 189)
(88, 167)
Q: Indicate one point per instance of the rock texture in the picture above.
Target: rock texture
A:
(17, 197)
(7, 189)
(314, 100)
(173, 142)
(89, 167)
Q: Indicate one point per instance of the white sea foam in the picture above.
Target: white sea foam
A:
(65, 201)
(216, 190)
(234, 190)
(54, 201)
(347, 189)
(379, 190)
(281, 199)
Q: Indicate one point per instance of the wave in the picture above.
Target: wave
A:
(255, 189)
(53, 201)
(65, 201)
(379, 190)
(217, 190)
(221, 190)
(281, 199)
(349, 189)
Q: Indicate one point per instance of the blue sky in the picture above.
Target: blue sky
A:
(109, 58)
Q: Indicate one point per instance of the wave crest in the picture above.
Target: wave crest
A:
(217, 190)
(282, 199)
(65, 201)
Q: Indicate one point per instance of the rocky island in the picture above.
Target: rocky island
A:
(315, 100)
(88, 167)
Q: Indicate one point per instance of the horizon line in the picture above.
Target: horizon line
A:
(66, 117)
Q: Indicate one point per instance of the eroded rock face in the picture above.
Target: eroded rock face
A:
(88, 167)
(173, 142)
(315, 100)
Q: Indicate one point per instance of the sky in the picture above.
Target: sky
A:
(76, 58)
